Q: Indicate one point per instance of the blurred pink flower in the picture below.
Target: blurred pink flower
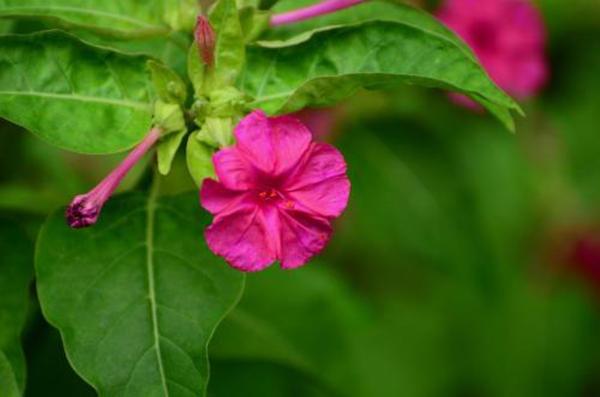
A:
(508, 37)
(320, 121)
(277, 193)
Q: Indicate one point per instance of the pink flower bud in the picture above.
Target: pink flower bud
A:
(85, 209)
(205, 39)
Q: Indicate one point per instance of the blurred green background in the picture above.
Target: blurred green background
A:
(452, 273)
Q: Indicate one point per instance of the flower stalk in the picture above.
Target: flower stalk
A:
(85, 209)
(315, 10)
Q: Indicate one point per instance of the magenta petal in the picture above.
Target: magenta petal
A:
(291, 139)
(253, 139)
(242, 238)
(302, 236)
(233, 170)
(322, 162)
(327, 198)
(216, 198)
(272, 145)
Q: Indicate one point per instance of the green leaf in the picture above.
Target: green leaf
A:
(196, 70)
(335, 63)
(306, 319)
(15, 274)
(199, 159)
(166, 151)
(80, 98)
(230, 45)
(254, 22)
(138, 296)
(124, 18)
(366, 12)
(169, 86)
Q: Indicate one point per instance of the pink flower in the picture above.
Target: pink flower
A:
(320, 121)
(507, 36)
(277, 193)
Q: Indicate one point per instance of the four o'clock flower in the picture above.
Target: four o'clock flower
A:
(507, 36)
(85, 209)
(276, 195)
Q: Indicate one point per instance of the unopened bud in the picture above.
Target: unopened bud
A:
(205, 39)
(85, 209)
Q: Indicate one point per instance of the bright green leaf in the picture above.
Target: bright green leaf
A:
(15, 275)
(168, 85)
(196, 71)
(333, 64)
(254, 22)
(124, 18)
(80, 98)
(230, 47)
(199, 159)
(137, 297)
(166, 151)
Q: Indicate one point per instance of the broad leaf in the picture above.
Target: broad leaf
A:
(138, 296)
(75, 96)
(356, 15)
(333, 64)
(126, 18)
(15, 275)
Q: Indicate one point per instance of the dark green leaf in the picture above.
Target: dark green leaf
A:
(335, 63)
(75, 96)
(15, 275)
(138, 296)
(305, 319)
(257, 378)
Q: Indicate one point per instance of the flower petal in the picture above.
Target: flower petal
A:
(302, 236)
(243, 239)
(322, 162)
(216, 198)
(272, 145)
(320, 185)
(233, 170)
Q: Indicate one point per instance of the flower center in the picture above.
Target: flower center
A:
(268, 194)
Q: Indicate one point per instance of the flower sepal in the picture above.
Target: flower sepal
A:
(169, 117)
